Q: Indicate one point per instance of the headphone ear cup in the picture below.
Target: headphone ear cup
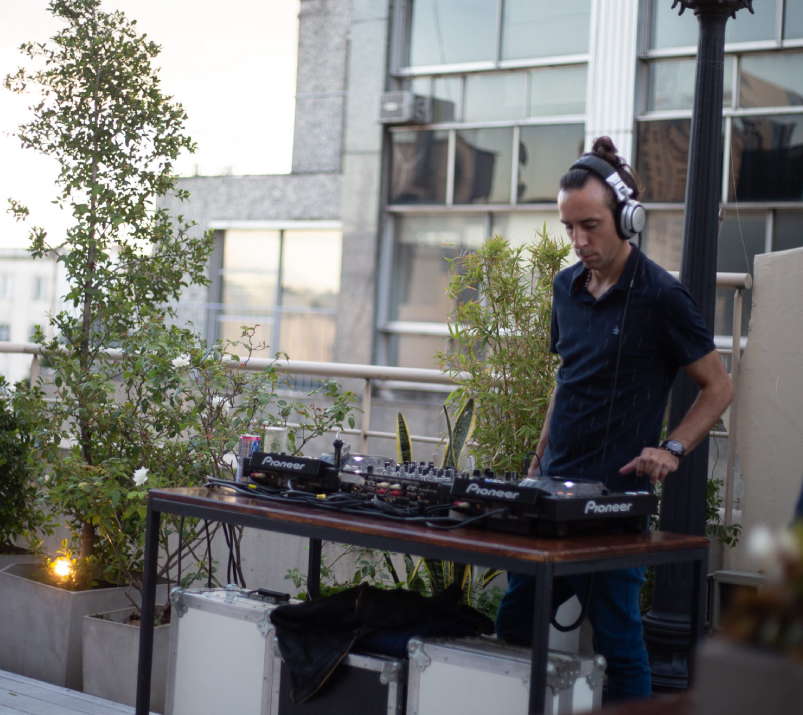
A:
(630, 219)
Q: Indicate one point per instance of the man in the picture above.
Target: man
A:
(622, 327)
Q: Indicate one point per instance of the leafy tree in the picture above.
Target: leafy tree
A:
(100, 113)
(166, 410)
(500, 329)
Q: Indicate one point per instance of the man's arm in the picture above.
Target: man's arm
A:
(540, 448)
(716, 393)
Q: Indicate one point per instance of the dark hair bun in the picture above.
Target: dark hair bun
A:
(603, 148)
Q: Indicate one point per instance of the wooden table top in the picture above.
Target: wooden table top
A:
(494, 544)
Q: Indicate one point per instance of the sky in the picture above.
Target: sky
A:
(232, 65)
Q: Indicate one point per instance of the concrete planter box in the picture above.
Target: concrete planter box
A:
(18, 557)
(111, 653)
(41, 625)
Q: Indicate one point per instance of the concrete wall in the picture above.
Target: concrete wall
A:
(770, 431)
(362, 179)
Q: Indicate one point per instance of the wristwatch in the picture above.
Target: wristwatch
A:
(673, 447)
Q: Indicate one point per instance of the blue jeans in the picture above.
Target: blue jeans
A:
(613, 612)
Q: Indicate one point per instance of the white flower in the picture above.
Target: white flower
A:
(141, 476)
(181, 361)
(219, 401)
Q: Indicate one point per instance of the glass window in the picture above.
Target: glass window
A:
(418, 167)
(545, 154)
(662, 238)
(670, 84)
(483, 164)
(558, 90)
(249, 284)
(5, 333)
(492, 97)
(668, 29)
(760, 26)
(543, 29)
(311, 268)
(446, 99)
(251, 268)
(740, 239)
(421, 268)
(416, 350)
(771, 80)
(662, 155)
(767, 158)
(6, 284)
(788, 227)
(450, 31)
(520, 228)
(793, 20)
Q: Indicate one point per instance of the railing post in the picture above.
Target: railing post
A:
(365, 423)
(34, 377)
(733, 419)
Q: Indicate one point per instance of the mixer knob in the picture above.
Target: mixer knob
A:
(508, 476)
(477, 473)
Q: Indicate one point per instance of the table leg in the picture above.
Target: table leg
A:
(314, 569)
(148, 612)
(697, 613)
(541, 619)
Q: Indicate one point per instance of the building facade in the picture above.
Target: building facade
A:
(345, 258)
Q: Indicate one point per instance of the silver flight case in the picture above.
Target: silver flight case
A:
(221, 657)
(477, 676)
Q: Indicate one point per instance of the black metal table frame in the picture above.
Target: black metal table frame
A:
(543, 571)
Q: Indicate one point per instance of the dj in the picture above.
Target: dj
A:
(622, 327)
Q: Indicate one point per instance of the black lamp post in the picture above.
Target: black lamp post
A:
(667, 625)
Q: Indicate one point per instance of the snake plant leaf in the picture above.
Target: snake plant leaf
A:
(404, 446)
(464, 425)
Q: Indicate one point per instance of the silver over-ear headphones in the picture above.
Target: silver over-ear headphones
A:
(630, 215)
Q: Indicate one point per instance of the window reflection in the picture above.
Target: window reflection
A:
(450, 31)
(662, 238)
(495, 96)
(771, 80)
(767, 158)
(545, 154)
(740, 239)
(483, 162)
(521, 228)
(446, 99)
(543, 29)
(558, 90)
(668, 29)
(418, 167)
(788, 227)
(662, 156)
(793, 20)
(670, 84)
(421, 268)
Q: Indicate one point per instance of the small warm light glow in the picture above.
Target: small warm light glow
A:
(62, 568)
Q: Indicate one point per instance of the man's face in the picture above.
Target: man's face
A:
(588, 219)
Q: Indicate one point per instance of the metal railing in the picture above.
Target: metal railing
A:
(416, 378)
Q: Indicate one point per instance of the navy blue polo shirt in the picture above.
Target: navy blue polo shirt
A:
(661, 332)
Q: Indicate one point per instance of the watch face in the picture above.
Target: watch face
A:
(673, 446)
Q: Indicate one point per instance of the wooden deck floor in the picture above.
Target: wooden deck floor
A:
(24, 696)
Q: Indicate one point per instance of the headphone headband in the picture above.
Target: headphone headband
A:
(607, 173)
(629, 215)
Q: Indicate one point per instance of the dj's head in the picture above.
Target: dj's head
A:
(619, 181)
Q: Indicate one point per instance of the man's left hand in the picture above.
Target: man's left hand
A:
(652, 462)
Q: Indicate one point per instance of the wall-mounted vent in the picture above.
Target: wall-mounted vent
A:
(404, 108)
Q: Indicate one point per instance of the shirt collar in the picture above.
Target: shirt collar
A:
(580, 273)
